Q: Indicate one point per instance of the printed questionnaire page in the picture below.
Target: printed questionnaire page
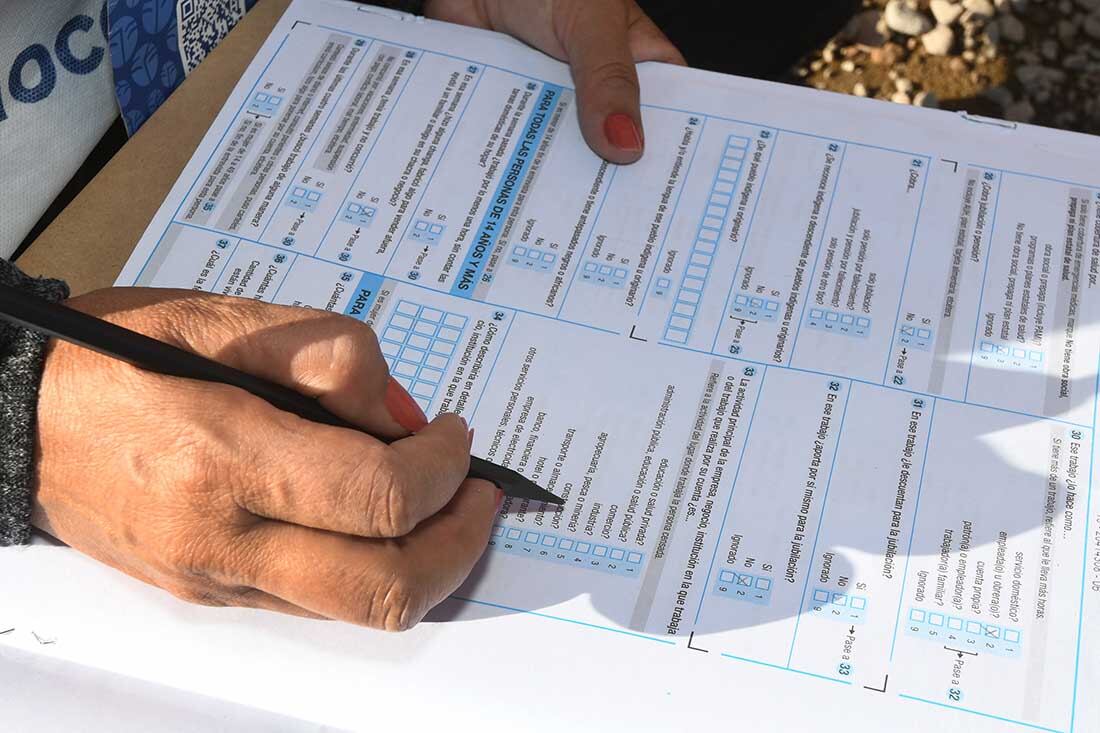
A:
(816, 378)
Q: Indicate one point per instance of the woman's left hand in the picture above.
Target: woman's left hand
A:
(601, 40)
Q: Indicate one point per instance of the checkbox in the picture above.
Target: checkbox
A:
(955, 624)
(413, 355)
(583, 548)
(417, 341)
(680, 322)
(549, 541)
(422, 226)
(390, 349)
(916, 615)
(815, 313)
(726, 576)
(675, 334)
(498, 531)
(1012, 636)
(431, 314)
(600, 551)
(617, 554)
(407, 308)
(973, 627)
(424, 390)
(442, 347)
(405, 369)
(935, 619)
(745, 580)
(763, 584)
(858, 602)
(993, 632)
(830, 316)
(821, 596)
(566, 544)
(531, 537)
(839, 599)
(634, 557)
(431, 375)
(449, 334)
(424, 328)
(401, 321)
(513, 534)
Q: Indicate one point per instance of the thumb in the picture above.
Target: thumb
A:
(598, 48)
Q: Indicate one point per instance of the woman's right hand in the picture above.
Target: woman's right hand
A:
(221, 499)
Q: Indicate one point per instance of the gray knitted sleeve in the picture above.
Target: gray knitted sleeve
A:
(21, 358)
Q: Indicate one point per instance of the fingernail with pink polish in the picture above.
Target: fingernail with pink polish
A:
(623, 132)
(403, 408)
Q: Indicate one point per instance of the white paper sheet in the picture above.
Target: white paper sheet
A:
(816, 378)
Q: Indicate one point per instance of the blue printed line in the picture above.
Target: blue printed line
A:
(805, 295)
(225, 268)
(374, 143)
(438, 160)
(512, 178)
(403, 282)
(675, 206)
(623, 632)
(913, 527)
(1093, 186)
(1085, 551)
(745, 240)
(317, 136)
(981, 292)
(820, 520)
(492, 368)
(210, 157)
(792, 131)
(733, 488)
(979, 713)
(786, 669)
(286, 276)
(905, 276)
(588, 240)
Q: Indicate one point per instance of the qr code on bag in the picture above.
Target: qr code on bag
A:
(202, 24)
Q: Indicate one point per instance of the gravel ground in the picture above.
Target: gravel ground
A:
(1034, 61)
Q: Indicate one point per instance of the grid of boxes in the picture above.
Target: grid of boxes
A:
(843, 607)
(426, 231)
(303, 198)
(264, 104)
(360, 214)
(567, 551)
(915, 337)
(963, 634)
(831, 321)
(701, 256)
(608, 275)
(1011, 356)
(755, 589)
(532, 258)
(754, 308)
(419, 343)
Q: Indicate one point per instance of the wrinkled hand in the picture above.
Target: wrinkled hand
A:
(221, 499)
(601, 40)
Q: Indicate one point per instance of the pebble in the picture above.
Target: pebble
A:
(1021, 111)
(1012, 29)
(1050, 49)
(866, 29)
(945, 11)
(1090, 5)
(980, 9)
(1075, 62)
(1092, 25)
(905, 20)
(903, 85)
(1066, 30)
(900, 98)
(939, 41)
(848, 66)
(860, 90)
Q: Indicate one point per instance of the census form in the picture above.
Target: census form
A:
(816, 379)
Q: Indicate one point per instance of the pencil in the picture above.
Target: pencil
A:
(144, 352)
